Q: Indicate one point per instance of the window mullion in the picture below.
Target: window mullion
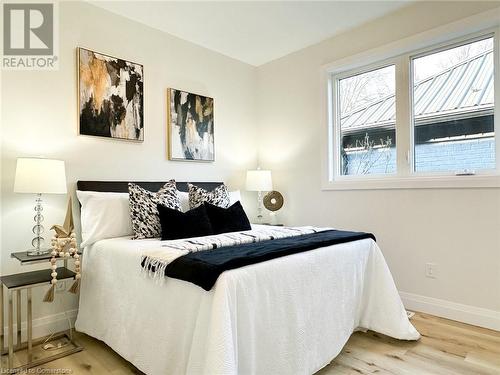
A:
(403, 117)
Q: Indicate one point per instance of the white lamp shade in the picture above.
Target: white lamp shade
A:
(259, 180)
(45, 176)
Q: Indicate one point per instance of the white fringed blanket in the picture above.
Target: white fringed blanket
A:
(156, 260)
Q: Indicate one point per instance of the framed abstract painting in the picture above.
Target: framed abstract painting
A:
(110, 96)
(190, 123)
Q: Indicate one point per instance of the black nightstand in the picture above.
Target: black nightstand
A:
(15, 284)
(24, 258)
(275, 225)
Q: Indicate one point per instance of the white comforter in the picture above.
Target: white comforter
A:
(290, 315)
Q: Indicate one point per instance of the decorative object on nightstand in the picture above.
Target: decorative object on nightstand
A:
(39, 176)
(64, 246)
(259, 180)
(273, 201)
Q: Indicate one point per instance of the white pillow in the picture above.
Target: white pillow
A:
(184, 200)
(104, 215)
(234, 196)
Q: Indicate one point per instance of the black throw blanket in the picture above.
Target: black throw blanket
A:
(204, 267)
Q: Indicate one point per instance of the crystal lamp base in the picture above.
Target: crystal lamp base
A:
(38, 230)
(35, 252)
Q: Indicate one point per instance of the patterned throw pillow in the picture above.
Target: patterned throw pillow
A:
(218, 197)
(144, 211)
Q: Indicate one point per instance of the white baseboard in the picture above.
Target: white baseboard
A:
(46, 325)
(456, 311)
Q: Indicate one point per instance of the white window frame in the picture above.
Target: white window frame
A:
(436, 49)
(337, 166)
(400, 54)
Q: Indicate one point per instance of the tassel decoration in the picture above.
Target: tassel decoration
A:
(75, 288)
(49, 296)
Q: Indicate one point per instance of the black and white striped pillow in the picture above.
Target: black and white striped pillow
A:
(144, 211)
(218, 197)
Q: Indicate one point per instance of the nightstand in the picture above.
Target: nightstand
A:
(15, 284)
(275, 225)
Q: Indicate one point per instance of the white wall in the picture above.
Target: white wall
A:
(459, 229)
(39, 118)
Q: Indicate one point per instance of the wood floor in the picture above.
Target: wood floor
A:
(446, 347)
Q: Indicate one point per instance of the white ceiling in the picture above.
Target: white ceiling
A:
(254, 32)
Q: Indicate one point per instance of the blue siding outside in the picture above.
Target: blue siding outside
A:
(474, 154)
(385, 163)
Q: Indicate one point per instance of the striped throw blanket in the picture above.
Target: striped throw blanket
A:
(155, 261)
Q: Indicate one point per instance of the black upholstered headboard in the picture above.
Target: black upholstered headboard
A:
(122, 186)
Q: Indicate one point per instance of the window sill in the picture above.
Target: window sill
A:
(420, 182)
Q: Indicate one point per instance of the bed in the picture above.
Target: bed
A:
(289, 315)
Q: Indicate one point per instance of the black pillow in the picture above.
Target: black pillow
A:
(176, 224)
(231, 219)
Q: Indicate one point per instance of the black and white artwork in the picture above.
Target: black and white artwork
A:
(110, 96)
(190, 126)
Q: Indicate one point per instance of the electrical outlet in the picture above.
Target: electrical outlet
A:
(431, 270)
(60, 286)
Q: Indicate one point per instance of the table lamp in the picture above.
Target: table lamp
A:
(259, 180)
(39, 176)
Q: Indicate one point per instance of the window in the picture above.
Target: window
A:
(453, 106)
(438, 103)
(367, 122)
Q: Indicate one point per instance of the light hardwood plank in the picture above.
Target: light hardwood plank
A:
(446, 348)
